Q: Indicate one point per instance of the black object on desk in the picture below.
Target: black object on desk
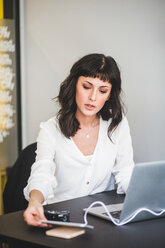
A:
(145, 234)
(63, 215)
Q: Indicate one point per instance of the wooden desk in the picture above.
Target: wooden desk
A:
(144, 234)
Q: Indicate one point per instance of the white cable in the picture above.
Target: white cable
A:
(96, 203)
(123, 222)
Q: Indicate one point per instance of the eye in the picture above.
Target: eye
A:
(86, 87)
(103, 91)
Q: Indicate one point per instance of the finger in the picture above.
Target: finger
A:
(34, 215)
(32, 218)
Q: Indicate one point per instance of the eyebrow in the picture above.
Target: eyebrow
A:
(102, 86)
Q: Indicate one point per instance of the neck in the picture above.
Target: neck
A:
(87, 121)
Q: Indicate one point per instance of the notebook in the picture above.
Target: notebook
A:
(144, 199)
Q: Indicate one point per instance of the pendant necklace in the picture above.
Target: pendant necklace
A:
(92, 126)
(87, 136)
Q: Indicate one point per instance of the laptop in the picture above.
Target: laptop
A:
(145, 198)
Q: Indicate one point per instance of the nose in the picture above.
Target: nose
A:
(93, 95)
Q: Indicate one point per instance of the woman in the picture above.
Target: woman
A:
(87, 148)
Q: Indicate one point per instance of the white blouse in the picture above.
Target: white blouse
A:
(62, 172)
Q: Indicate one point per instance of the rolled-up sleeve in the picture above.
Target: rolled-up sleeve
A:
(42, 175)
(124, 160)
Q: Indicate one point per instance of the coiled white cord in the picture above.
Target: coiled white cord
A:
(125, 221)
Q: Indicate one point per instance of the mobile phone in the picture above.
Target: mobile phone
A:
(68, 224)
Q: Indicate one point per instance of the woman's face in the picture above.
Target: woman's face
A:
(91, 95)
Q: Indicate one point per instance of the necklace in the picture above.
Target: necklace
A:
(94, 124)
(87, 136)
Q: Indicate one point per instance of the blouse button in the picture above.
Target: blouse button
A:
(87, 182)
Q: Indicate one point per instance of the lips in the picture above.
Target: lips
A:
(89, 106)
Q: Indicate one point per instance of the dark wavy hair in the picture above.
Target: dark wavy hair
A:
(95, 66)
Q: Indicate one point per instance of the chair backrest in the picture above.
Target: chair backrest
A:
(13, 196)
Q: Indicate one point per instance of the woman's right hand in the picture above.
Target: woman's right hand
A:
(35, 211)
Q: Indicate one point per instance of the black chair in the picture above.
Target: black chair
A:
(13, 196)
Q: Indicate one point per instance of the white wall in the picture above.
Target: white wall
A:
(55, 33)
